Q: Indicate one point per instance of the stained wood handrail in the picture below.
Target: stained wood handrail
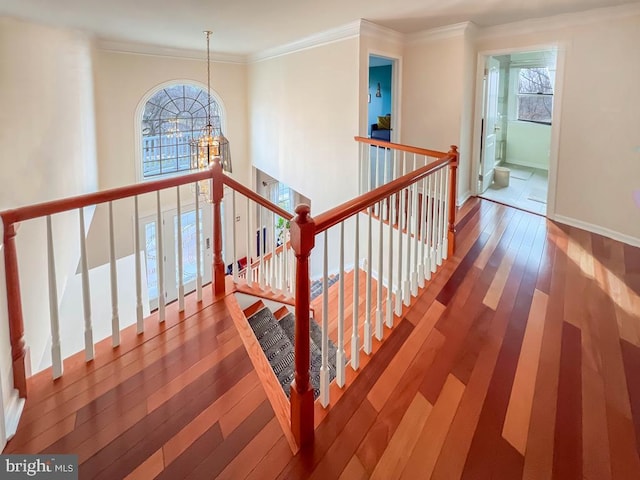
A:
(259, 199)
(402, 148)
(303, 231)
(332, 217)
(79, 201)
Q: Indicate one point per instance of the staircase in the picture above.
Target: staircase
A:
(274, 330)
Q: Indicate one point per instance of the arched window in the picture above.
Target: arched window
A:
(173, 117)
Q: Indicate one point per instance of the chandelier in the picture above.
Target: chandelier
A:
(211, 143)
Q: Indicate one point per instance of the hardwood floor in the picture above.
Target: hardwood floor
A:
(520, 359)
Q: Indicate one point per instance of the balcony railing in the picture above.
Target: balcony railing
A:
(407, 203)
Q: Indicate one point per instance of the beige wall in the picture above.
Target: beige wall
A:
(528, 144)
(116, 104)
(436, 111)
(384, 46)
(304, 115)
(47, 152)
(598, 163)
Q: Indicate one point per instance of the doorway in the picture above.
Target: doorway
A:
(148, 233)
(380, 98)
(517, 117)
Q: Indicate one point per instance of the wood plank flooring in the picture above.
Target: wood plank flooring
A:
(519, 360)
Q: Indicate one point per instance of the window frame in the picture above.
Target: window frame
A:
(517, 95)
(222, 112)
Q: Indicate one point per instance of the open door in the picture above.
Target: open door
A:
(490, 123)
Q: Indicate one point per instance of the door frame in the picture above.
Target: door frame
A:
(561, 48)
(169, 240)
(396, 90)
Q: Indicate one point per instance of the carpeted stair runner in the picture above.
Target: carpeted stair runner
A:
(276, 340)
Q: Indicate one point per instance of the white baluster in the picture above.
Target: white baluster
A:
(274, 259)
(324, 367)
(414, 241)
(406, 290)
(340, 353)
(56, 354)
(180, 254)
(379, 311)
(368, 331)
(136, 241)
(440, 216)
(445, 221)
(401, 208)
(285, 263)
(86, 293)
(390, 265)
(115, 318)
(234, 254)
(261, 242)
(355, 335)
(160, 260)
(360, 166)
(423, 232)
(198, 247)
(249, 273)
(434, 221)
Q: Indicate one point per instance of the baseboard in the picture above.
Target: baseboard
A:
(13, 411)
(463, 198)
(590, 227)
(526, 164)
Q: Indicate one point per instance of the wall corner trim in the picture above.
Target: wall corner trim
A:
(448, 31)
(560, 21)
(12, 413)
(374, 30)
(463, 197)
(343, 32)
(155, 50)
(590, 227)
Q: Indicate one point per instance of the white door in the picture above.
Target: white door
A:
(490, 123)
(148, 233)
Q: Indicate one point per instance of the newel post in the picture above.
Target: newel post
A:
(217, 193)
(14, 309)
(453, 182)
(302, 240)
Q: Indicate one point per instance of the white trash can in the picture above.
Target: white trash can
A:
(501, 176)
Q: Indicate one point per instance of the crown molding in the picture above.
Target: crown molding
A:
(154, 50)
(343, 32)
(448, 31)
(555, 22)
(371, 29)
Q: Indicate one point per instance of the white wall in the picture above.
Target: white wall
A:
(116, 103)
(599, 135)
(437, 111)
(528, 144)
(48, 152)
(304, 115)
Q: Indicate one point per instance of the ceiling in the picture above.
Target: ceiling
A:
(243, 27)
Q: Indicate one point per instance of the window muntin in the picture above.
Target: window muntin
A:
(173, 117)
(535, 95)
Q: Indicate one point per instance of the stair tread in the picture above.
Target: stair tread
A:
(281, 313)
(253, 308)
(276, 338)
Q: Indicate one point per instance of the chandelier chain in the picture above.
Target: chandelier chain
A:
(208, 32)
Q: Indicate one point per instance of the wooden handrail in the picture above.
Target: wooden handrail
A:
(400, 147)
(79, 201)
(250, 194)
(340, 213)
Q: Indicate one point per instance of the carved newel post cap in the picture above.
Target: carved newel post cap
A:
(454, 148)
(302, 212)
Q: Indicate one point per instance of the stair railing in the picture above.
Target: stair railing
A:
(274, 273)
(410, 200)
(414, 205)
